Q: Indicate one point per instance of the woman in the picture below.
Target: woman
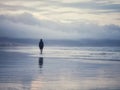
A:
(41, 45)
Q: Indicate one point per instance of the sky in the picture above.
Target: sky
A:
(60, 19)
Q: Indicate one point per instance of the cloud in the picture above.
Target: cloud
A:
(94, 5)
(112, 27)
(66, 10)
(24, 18)
(28, 26)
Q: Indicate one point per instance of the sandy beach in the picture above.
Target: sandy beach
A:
(59, 69)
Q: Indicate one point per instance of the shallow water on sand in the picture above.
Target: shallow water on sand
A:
(60, 68)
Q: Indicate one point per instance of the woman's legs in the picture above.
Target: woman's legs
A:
(41, 50)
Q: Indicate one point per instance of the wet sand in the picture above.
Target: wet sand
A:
(20, 71)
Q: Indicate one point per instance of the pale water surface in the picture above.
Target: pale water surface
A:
(60, 68)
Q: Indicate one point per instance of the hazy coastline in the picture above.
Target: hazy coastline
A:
(68, 43)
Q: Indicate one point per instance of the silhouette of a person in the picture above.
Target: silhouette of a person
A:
(41, 45)
(40, 62)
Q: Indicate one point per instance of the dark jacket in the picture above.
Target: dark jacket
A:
(41, 44)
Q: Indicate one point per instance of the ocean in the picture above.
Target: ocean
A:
(59, 68)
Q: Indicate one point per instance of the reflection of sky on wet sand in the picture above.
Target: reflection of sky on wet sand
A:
(101, 53)
(10, 86)
(103, 78)
(25, 72)
(86, 84)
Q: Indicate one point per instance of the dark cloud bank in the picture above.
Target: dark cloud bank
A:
(28, 26)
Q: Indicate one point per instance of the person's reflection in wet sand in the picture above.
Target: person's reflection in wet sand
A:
(40, 62)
